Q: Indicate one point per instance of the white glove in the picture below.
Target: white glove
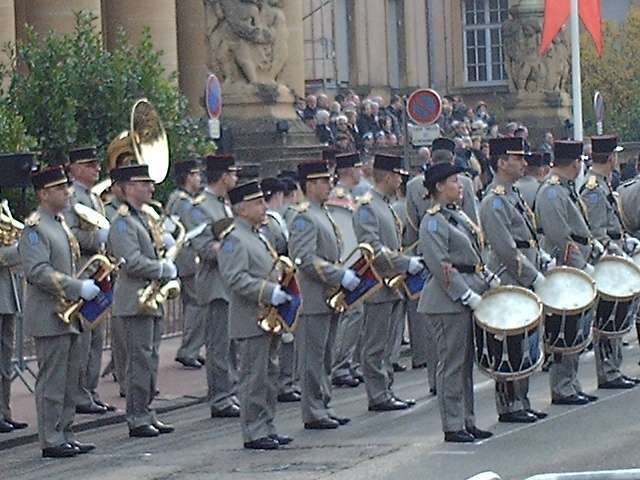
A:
(538, 282)
(631, 244)
(279, 296)
(350, 280)
(471, 299)
(415, 265)
(491, 279)
(597, 249)
(169, 269)
(546, 261)
(287, 337)
(103, 235)
(168, 240)
(588, 269)
(89, 289)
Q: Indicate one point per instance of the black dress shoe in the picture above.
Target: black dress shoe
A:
(189, 362)
(461, 436)
(340, 420)
(201, 360)
(264, 443)
(479, 434)
(399, 368)
(289, 397)
(281, 439)
(144, 431)
(359, 377)
(110, 408)
(348, 382)
(631, 379)
(574, 399)
(60, 451)
(521, 416)
(163, 427)
(91, 409)
(6, 427)
(388, 406)
(17, 425)
(323, 424)
(433, 391)
(590, 398)
(232, 411)
(83, 447)
(409, 401)
(617, 384)
(418, 366)
(538, 413)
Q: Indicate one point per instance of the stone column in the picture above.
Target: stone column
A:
(134, 16)
(58, 15)
(7, 26)
(192, 52)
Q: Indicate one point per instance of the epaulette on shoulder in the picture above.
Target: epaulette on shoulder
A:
(628, 183)
(365, 199)
(301, 207)
(340, 192)
(592, 182)
(182, 195)
(499, 190)
(554, 180)
(32, 220)
(199, 199)
(433, 210)
(226, 231)
(123, 210)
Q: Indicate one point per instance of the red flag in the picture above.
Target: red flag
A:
(556, 13)
(591, 16)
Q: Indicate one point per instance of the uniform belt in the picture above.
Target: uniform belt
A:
(614, 236)
(580, 240)
(526, 243)
(477, 268)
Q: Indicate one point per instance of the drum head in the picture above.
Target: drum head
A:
(617, 278)
(567, 288)
(507, 309)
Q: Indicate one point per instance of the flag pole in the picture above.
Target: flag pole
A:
(575, 71)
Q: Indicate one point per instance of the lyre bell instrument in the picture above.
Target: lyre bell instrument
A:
(94, 311)
(410, 283)
(283, 317)
(339, 298)
(10, 228)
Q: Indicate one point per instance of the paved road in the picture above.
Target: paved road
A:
(400, 445)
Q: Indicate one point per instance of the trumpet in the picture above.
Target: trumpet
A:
(411, 283)
(69, 310)
(339, 298)
(283, 317)
(397, 281)
(10, 228)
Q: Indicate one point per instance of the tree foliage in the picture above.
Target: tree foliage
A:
(616, 75)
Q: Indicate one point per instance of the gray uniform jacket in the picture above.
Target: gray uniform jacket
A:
(130, 238)
(208, 208)
(246, 266)
(602, 211)
(111, 208)
(528, 187)
(343, 194)
(315, 241)
(449, 242)
(9, 257)
(49, 259)
(560, 216)
(375, 223)
(87, 236)
(509, 228)
(629, 203)
(179, 204)
(275, 233)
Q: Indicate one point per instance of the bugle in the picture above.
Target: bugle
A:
(10, 228)
(283, 317)
(410, 283)
(341, 299)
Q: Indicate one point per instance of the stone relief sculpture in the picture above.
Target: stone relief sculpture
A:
(247, 44)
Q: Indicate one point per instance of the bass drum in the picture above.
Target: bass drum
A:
(507, 333)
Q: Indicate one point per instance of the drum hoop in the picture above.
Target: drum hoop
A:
(512, 331)
(572, 311)
(569, 350)
(597, 333)
(624, 298)
(513, 376)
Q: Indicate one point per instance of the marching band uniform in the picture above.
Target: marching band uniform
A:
(49, 253)
(606, 226)
(212, 293)
(315, 243)
(509, 228)
(246, 262)
(135, 238)
(451, 245)
(376, 224)
(92, 241)
(561, 219)
(179, 204)
(529, 184)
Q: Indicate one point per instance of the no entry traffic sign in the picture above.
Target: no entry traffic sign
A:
(424, 106)
(213, 97)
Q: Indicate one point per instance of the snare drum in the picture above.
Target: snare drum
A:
(569, 296)
(507, 331)
(618, 283)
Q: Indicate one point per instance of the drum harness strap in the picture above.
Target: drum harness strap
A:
(614, 205)
(479, 267)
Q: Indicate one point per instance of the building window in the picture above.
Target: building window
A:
(484, 57)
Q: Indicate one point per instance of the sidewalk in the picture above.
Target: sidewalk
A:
(179, 387)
